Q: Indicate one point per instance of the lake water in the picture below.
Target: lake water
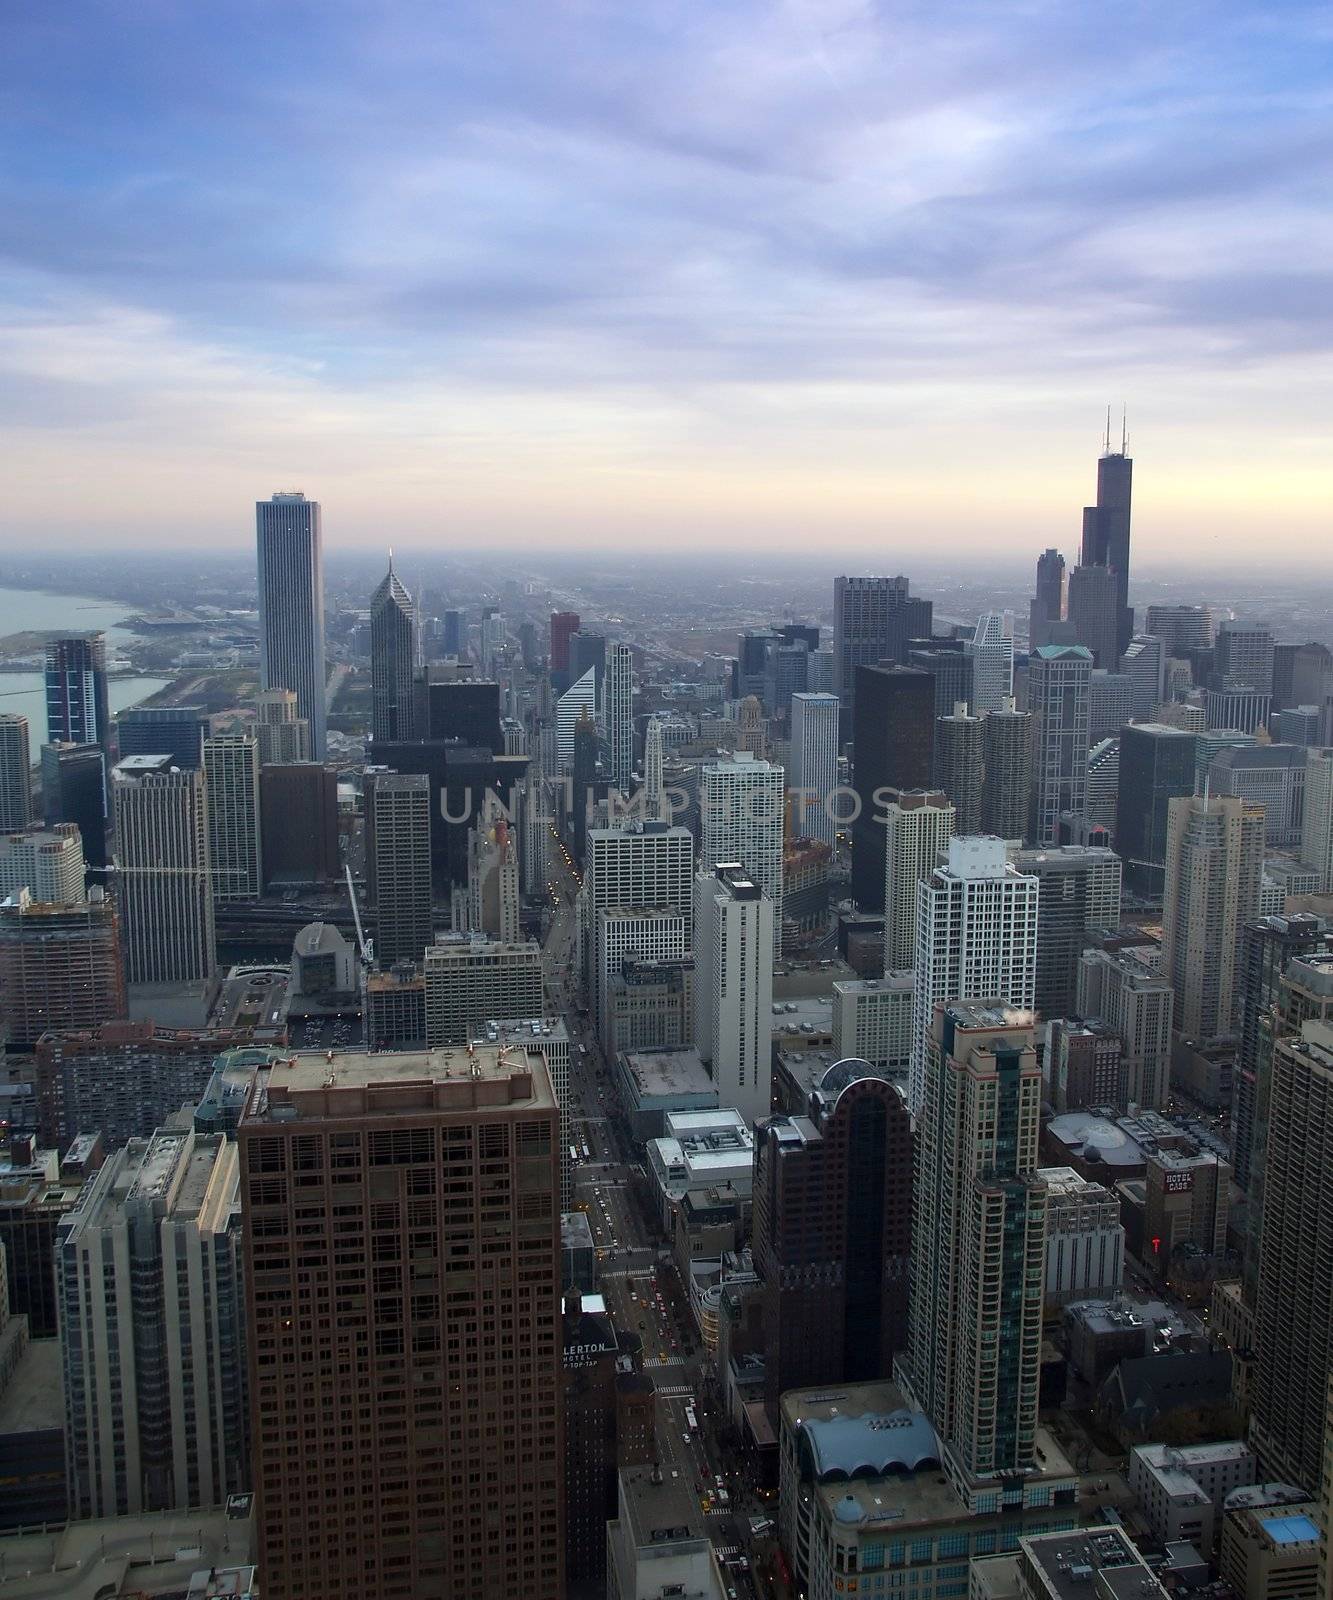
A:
(23, 609)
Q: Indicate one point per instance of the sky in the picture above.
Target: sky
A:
(822, 275)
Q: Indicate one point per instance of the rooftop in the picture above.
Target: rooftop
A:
(668, 1072)
(1087, 1562)
(33, 1398)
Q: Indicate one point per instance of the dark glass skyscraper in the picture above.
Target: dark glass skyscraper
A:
(176, 731)
(291, 606)
(77, 711)
(1156, 766)
(893, 734)
(1106, 531)
(74, 790)
(393, 658)
(873, 620)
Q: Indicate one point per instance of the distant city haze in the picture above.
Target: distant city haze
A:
(771, 277)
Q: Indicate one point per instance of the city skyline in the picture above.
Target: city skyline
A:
(817, 271)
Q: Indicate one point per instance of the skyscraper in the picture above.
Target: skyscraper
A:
(471, 980)
(1048, 603)
(1122, 991)
(1078, 892)
(991, 649)
(654, 785)
(1058, 684)
(1006, 741)
(979, 1237)
(814, 763)
(291, 606)
(177, 731)
(152, 1330)
(873, 618)
(960, 765)
(60, 966)
(493, 873)
(1144, 664)
(284, 737)
(918, 826)
(398, 864)
(1214, 861)
(833, 1232)
(579, 700)
(162, 874)
(742, 805)
(1106, 530)
(976, 929)
(77, 710)
(394, 658)
(563, 624)
(893, 733)
(15, 772)
(1243, 656)
(1156, 767)
(231, 784)
(298, 823)
(648, 866)
(733, 988)
(618, 715)
(74, 790)
(46, 861)
(439, 1295)
(1094, 616)
(1317, 819)
(1184, 630)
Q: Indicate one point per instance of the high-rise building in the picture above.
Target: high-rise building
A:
(1293, 1310)
(40, 1189)
(1302, 675)
(893, 732)
(976, 929)
(398, 865)
(991, 649)
(814, 764)
(563, 624)
(1084, 1064)
(960, 765)
(231, 784)
(1103, 787)
(833, 1232)
(439, 1292)
(1267, 775)
(733, 991)
(591, 1351)
(742, 809)
(1048, 603)
(1243, 656)
(1156, 766)
(77, 709)
(629, 935)
(579, 702)
(284, 737)
(1006, 742)
(46, 861)
(471, 980)
(1184, 630)
(873, 618)
(654, 781)
(60, 966)
(177, 731)
(1138, 1004)
(492, 884)
(153, 1330)
(1058, 688)
(979, 1237)
(948, 662)
(918, 826)
(1078, 891)
(1268, 947)
(394, 658)
(15, 772)
(618, 714)
(298, 823)
(164, 885)
(1110, 704)
(291, 606)
(1094, 613)
(1239, 706)
(1317, 816)
(1214, 861)
(1302, 725)
(74, 790)
(587, 652)
(646, 865)
(1106, 531)
(1144, 664)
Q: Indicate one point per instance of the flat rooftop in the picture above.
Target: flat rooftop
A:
(1070, 1562)
(34, 1399)
(665, 1512)
(668, 1072)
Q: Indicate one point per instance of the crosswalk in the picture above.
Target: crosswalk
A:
(675, 1391)
(726, 1552)
(664, 1361)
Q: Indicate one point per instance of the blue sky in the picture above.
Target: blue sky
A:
(827, 273)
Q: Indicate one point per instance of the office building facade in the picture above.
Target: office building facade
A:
(48, 862)
(77, 708)
(742, 803)
(1156, 766)
(284, 735)
(733, 991)
(164, 885)
(289, 542)
(177, 731)
(231, 786)
(395, 655)
(398, 864)
(1058, 689)
(918, 826)
(15, 772)
(873, 618)
(60, 966)
(618, 715)
(814, 764)
(893, 733)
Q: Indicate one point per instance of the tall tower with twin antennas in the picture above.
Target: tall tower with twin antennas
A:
(1106, 525)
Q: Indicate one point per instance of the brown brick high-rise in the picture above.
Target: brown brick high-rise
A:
(403, 1244)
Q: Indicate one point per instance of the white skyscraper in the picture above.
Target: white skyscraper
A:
(976, 936)
(163, 883)
(578, 700)
(645, 866)
(654, 788)
(992, 651)
(814, 762)
(741, 803)
(618, 714)
(48, 862)
(733, 989)
(625, 933)
(15, 772)
(152, 1316)
(1059, 692)
(291, 606)
(1317, 824)
(231, 781)
(918, 826)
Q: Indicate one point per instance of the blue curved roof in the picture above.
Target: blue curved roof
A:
(871, 1445)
